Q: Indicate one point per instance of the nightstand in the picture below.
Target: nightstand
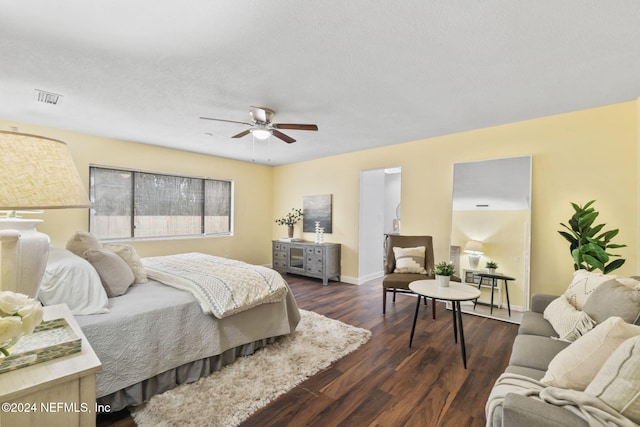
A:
(59, 392)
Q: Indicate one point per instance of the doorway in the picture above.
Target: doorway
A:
(379, 215)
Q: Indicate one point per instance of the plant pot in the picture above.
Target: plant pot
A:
(443, 281)
(290, 231)
(491, 270)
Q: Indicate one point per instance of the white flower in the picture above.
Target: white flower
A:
(10, 302)
(19, 315)
(31, 315)
(10, 327)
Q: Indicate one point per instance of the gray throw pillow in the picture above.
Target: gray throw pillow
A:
(613, 299)
(114, 272)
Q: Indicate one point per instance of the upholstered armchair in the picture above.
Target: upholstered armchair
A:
(398, 282)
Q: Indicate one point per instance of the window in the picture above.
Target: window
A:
(139, 204)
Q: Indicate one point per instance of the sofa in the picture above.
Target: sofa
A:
(604, 312)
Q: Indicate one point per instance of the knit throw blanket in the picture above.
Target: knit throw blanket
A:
(588, 407)
(222, 286)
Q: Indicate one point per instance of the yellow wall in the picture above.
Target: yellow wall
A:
(579, 156)
(251, 241)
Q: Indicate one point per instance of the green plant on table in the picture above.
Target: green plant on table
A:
(491, 264)
(443, 269)
(589, 245)
(291, 218)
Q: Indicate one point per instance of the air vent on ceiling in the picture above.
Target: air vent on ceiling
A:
(482, 206)
(47, 97)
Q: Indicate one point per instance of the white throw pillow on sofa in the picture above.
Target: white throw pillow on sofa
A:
(567, 321)
(577, 365)
(618, 381)
(583, 284)
(69, 279)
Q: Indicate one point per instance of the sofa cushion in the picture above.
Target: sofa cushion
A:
(531, 351)
(618, 381)
(534, 324)
(536, 374)
(409, 260)
(568, 322)
(582, 286)
(577, 365)
(614, 299)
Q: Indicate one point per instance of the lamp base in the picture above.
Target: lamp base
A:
(24, 252)
(473, 261)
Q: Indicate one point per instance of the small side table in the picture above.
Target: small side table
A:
(455, 293)
(59, 392)
(494, 281)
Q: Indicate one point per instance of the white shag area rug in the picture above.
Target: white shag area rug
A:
(231, 395)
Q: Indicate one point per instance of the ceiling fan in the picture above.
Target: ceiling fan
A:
(262, 126)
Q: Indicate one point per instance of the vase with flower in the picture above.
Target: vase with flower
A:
(290, 220)
(19, 315)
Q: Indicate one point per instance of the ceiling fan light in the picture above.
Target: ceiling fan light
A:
(261, 133)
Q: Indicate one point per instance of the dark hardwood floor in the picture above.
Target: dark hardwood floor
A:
(384, 382)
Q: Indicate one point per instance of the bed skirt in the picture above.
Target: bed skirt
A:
(139, 393)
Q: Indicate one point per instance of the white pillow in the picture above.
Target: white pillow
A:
(618, 381)
(629, 282)
(569, 323)
(577, 365)
(130, 256)
(69, 279)
(583, 284)
(409, 260)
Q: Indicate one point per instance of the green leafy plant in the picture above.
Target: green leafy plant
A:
(491, 264)
(589, 245)
(443, 269)
(291, 218)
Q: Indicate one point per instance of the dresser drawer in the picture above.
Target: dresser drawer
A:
(279, 255)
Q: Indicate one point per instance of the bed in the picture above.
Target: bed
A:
(153, 336)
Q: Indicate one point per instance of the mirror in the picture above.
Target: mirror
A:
(491, 221)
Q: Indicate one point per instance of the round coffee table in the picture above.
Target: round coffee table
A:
(455, 293)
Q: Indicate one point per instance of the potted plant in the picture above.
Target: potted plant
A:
(491, 267)
(443, 271)
(290, 220)
(588, 243)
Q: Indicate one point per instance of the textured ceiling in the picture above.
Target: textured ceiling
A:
(368, 73)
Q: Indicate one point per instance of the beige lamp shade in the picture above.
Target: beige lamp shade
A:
(473, 247)
(38, 173)
(35, 173)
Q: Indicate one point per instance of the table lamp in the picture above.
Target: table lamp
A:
(474, 249)
(36, 173)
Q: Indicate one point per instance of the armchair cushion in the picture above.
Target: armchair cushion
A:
(402, 280)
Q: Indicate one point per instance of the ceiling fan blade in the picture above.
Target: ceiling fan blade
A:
(228, 121)
(282, 136)
(294, 126)
(241, 134)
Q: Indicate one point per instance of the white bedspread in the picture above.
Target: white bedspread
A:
(222, 286)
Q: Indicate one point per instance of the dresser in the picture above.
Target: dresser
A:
(319, 260)
(60, 392)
